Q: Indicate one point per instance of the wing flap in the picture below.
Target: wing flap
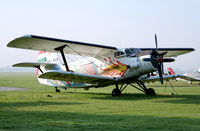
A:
(78, 77)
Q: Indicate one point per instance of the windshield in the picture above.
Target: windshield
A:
(132, 52)
(119, 54)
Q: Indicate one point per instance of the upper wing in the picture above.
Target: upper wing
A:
(40, 43)
(171, 52)
(165, 77)
(78, 78)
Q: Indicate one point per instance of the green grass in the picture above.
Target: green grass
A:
(76, 109)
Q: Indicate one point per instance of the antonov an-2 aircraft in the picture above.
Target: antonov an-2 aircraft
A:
(101, 65)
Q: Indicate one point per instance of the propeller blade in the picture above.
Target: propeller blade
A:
(162, 68)
(168, 59)
(157, 59)
(165, 60)
(147, 59)
(160, 73)
(162, 54)
(156, 42)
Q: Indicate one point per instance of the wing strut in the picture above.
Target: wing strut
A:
(63, 56)
(38, 67)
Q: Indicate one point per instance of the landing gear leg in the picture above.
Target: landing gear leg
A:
(143, 88)
(148, 91)
(56, 89)
(116, 91)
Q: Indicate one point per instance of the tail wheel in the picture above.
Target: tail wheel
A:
(56, 89)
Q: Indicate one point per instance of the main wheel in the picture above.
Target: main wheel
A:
(116, 92)
(150, 91)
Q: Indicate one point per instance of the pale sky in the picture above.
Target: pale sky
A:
(119, 23)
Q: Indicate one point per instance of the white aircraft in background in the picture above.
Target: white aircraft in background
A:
(190, 77)
(101, 65)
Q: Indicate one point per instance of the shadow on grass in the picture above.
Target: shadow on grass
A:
(52, 120)
(108, 96)
(126, 97)
(182, 99)
(178, 99)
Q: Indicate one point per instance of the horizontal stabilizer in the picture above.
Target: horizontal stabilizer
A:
(48, 66)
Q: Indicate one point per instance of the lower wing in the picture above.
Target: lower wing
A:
(165, 77)
(78, 78)
(189, 78)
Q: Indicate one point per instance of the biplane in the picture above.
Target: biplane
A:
(101, 65)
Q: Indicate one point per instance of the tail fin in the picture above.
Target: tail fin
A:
(48, 57)
(171, 71)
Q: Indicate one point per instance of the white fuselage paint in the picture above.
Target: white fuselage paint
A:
(136, 68)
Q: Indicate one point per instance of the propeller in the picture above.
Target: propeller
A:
(157, 60)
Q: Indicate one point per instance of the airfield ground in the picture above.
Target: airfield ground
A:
(76, 109)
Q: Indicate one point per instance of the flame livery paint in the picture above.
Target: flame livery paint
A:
(115, 68)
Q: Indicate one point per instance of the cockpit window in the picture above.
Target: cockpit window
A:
(132, 52)
(128, 52)
(119, 54)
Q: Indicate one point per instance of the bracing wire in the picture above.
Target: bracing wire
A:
(82, 56)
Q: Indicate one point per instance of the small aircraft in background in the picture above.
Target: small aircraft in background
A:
(190, 77)
(101, 65)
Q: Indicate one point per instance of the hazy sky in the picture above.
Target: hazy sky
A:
(120, 23)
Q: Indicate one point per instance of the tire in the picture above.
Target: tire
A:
(116, 92)
(150, 91)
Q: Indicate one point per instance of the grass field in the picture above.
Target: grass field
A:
(76, 109)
